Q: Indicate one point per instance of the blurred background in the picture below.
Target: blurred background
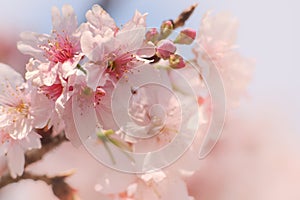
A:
(269, 33)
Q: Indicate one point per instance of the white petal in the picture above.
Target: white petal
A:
(100, 18)
(9, 75)
(32, 141)
(84, 114)
(40, 107)
(30, 42)
(16, 160)
(95, 75)
(70, 128)
(67, 22)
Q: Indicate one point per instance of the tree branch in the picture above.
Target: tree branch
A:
(48, 144)
(178, 22)
(7, 179)
(184, 16)
(60, 188)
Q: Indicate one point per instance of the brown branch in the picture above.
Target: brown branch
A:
(48, 144)
(63, 190)
(7, 179)
(184, 16)
(180, 21)
(60, 188)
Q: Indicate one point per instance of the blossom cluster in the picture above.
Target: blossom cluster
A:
(76, 72)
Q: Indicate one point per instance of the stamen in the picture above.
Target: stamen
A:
(60, 49)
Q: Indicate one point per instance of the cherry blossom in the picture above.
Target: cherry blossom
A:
(71, 90)
(52, 53)
(20, 113)
(110, 47)
(217, 35)
(217, 48)
(14, 150)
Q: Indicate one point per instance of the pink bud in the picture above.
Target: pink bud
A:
(152, 35)
(165, 48)
(166, 29)
(176, 61)
(186, 36)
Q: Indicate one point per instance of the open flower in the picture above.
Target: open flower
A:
(21, 111)
(21, 108)
(55, 52)
(14, 150)
(116, 51)
(217, 36)
(216, 48)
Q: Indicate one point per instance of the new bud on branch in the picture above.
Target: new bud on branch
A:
(176, 61)
(186, 36)
(166, 29)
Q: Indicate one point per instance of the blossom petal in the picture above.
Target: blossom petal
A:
(9, 75)
(100, 18)
(29, 42)
(16, 160)
(67, 22)
(84, 115)
(32, 141)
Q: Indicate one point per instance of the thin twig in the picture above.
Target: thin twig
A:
(184, 16)
(178, 22)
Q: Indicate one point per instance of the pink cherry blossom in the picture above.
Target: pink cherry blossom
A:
(22, 109)
(14, 150)
(51, 52)
(155, 111)
(216, 36)
(216, 48)
(87, 108)
(114, 50)
(236, 72)
(70, 86)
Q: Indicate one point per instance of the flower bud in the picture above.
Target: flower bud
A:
(166, 29)
(186, 36)
(165, 48)
(152, 35)
(176, 61)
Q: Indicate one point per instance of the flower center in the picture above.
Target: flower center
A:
(22, 108)
(119, 65)
(53, 91)
(60, 49)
